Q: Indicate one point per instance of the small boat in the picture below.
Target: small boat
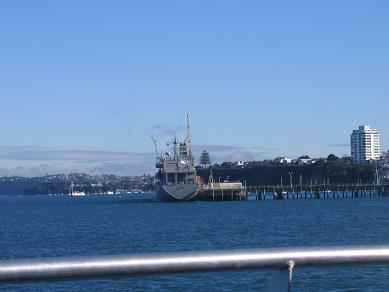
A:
(74, 193)
(78, 194)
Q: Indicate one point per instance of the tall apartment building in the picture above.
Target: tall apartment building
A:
(365, 145)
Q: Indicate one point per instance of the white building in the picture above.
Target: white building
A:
(239, 163)
(305, 161)
(365, 145)
(283, 160)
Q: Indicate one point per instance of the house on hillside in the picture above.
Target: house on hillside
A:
(282, 160)
(305, 161)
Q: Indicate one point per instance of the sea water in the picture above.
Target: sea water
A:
(51, 226)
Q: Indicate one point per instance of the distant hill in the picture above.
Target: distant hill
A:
(334, 172)
(60, 184)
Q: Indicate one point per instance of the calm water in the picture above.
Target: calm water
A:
(65, 226)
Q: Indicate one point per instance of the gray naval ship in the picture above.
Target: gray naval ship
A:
(176, 176)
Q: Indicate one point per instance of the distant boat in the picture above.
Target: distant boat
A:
(78, 194)
(74, 193)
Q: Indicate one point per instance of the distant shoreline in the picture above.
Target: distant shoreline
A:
(251, 174)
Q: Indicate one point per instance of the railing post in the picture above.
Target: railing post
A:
(281, 280)
(290, 270)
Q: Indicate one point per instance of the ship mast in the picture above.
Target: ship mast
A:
(188, 130)
(155, 146)
(189, 134)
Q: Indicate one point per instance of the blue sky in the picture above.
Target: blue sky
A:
(83, 84)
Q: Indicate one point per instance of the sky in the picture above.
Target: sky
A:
(84, 84)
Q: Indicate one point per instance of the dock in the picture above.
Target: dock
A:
(226, 191)
(239, 192)
(319, 191)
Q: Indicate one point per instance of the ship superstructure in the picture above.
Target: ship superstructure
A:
(176, 176)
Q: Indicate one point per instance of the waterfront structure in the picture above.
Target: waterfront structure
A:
(365, 145)
(222, 191)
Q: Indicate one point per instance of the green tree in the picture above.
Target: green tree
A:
(332, 157)
(305, 157)
(205, 159)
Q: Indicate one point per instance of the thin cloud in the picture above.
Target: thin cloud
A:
(247, 156)
(33, 161)
(48, 154)
(164, 130)
(117, 168)
(240, 156)
(222, 153)
(226, 148)
(215, 148)
(124, 169)
(264, 149)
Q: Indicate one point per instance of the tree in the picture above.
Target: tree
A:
(304, 157)
(228, 164)
(205, 159)
(332, 157)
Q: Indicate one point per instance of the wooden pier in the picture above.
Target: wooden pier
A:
(319, 191)
(222, 191)
(222, 195)
(298, 192)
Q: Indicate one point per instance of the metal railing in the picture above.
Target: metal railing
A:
(281, 259)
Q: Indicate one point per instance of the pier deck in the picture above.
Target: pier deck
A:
(277, 192)
(222, 195)
(320, 191)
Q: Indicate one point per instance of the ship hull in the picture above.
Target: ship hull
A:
(176, 193)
